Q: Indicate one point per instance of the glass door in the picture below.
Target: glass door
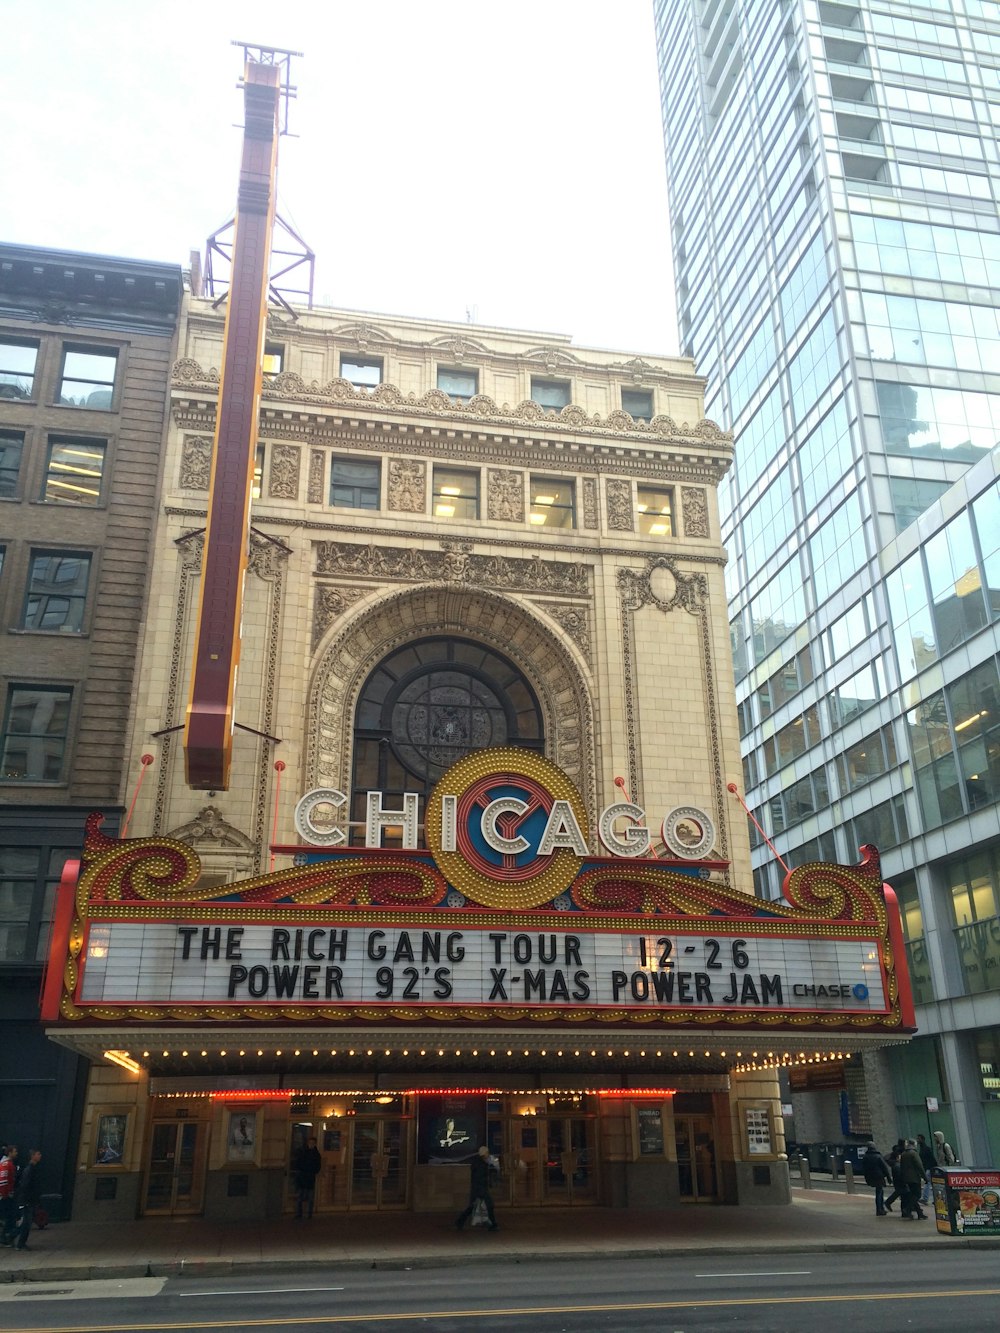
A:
(570, 1168)
(380, 1163)
(175, 1172)
(697, 1181)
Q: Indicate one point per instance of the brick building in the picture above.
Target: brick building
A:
(86, 345)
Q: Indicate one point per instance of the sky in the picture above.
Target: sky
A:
(496, 161)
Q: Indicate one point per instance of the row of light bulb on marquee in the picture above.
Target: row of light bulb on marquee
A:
(756, 1060)
(552, 1095)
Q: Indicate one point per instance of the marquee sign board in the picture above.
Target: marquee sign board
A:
(503, 917)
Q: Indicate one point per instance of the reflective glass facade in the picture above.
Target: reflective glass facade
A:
(834, 176)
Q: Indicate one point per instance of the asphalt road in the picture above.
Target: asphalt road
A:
(756, 1294)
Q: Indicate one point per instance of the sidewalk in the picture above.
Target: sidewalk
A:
(817, 1219)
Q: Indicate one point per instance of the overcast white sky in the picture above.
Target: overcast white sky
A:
(502, 157)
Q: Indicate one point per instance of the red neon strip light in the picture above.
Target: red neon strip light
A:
(62, 925)
(252, 1095)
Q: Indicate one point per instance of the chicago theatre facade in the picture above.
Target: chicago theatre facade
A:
(478, 876)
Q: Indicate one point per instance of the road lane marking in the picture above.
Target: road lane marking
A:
(415, 1316)
(255, 1291)
(777, 1272)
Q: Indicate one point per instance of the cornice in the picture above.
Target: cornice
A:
(483, 449)
(420, 427)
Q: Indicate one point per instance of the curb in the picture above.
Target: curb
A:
(202, 1268)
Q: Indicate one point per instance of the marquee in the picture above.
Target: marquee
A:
(502, 917)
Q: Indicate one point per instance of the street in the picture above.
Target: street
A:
(755, 1293)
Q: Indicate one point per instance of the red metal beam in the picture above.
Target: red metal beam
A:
(208, 731)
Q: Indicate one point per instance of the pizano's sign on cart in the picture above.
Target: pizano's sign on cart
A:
(502, 916)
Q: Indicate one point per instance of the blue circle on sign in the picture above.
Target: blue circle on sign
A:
(860, 991)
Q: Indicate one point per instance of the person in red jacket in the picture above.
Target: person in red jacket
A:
(8, 1184)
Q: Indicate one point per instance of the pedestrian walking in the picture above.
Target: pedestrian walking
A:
(479, 1188)
(877, 1175)
(8, 1188)
(308, 1164)
(944, 1153)
(29, 1191)
(892, 1162)
(911, 1173)
(927, 1161)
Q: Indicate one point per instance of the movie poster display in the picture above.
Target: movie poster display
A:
(452, 1127)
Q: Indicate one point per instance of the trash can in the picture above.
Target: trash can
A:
(966, 1201)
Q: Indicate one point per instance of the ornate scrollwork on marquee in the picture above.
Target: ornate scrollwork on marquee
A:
(814, 892)
(839, 893)
(165, 870)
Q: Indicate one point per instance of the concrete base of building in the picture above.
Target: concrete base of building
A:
(760, 1184)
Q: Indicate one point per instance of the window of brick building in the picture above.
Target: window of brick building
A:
(17, 368)
(57, 591)
(35, 733)
(88, 378)
(29, 875)
(11, 451)
(75, 470)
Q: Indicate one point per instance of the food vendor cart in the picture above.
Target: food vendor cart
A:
(966, 1201)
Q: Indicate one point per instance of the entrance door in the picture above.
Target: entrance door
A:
(696, 1175)
(175, 1173)
(570, 1169)
(379, 1163)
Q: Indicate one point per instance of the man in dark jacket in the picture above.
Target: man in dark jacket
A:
(479, 1188)
(878, 1175)
(308, 1164)
(29, 1191)
(911, 1173)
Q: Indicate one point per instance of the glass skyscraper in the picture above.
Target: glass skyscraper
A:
(833, 173)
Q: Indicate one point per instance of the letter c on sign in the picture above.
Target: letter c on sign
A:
(323, 834)
(507, 805)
